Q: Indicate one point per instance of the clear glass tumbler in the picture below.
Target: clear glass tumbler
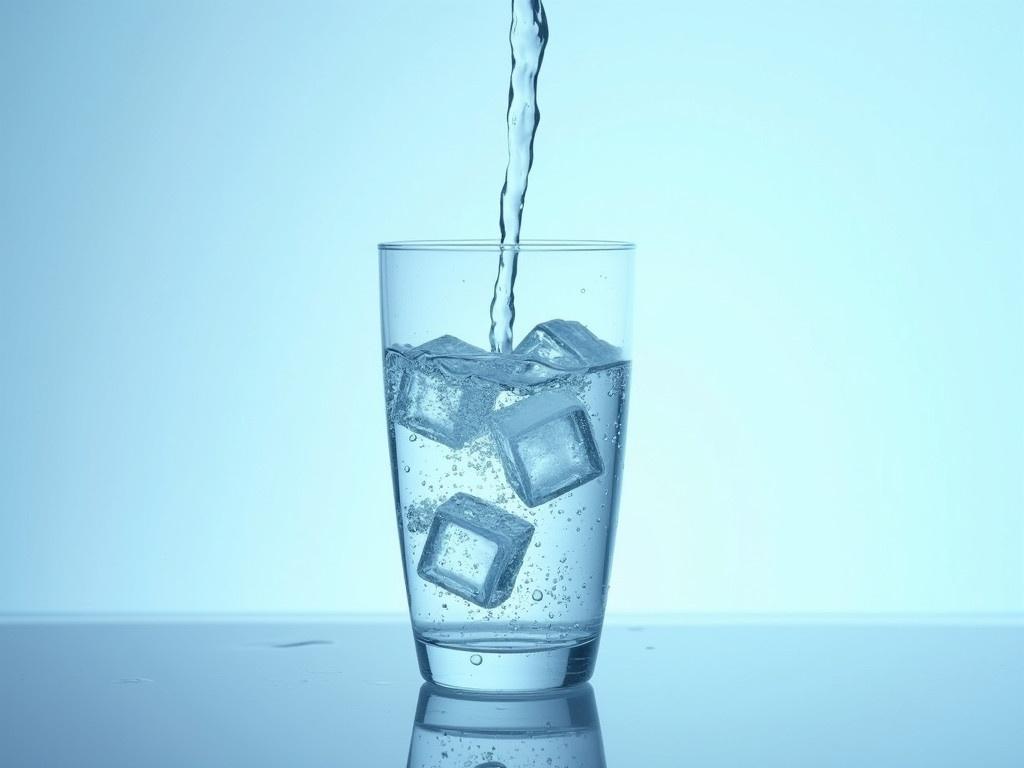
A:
(506, 467)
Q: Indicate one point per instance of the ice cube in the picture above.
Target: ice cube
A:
(567, 344)
(474, 550)
(435, 397)
(546, 445)
(447, 350)
(459, 358)
(513, 371)
(396, 363)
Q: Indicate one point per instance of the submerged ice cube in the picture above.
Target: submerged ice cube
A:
(566, 344)
(546, 445)
(436, 398)
(474, 550)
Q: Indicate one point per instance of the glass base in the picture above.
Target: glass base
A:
(506, 671)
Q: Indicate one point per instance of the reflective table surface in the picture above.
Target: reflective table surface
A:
(339, 693)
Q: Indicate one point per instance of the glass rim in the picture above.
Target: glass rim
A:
(484, 245)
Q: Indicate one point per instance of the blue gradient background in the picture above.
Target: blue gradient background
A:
(828, 199)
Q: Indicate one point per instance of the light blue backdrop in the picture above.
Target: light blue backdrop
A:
(828, 199)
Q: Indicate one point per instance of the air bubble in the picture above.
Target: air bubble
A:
(537, 595)
(412, 438)
(476, 659)
(405, 468)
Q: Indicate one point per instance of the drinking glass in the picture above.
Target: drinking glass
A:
(506, 467)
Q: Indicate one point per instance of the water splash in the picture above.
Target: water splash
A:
(528, 37)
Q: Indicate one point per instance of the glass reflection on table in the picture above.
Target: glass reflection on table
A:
(557, 729)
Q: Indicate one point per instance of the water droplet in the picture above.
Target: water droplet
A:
(551, 614)
(476, 659)
(537, 595)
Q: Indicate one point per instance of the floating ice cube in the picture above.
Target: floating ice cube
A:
(434, 396)
(567, 344)
(447, 350)
(546, 445)
(396, 362)
(474, 550)
(457, 357)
